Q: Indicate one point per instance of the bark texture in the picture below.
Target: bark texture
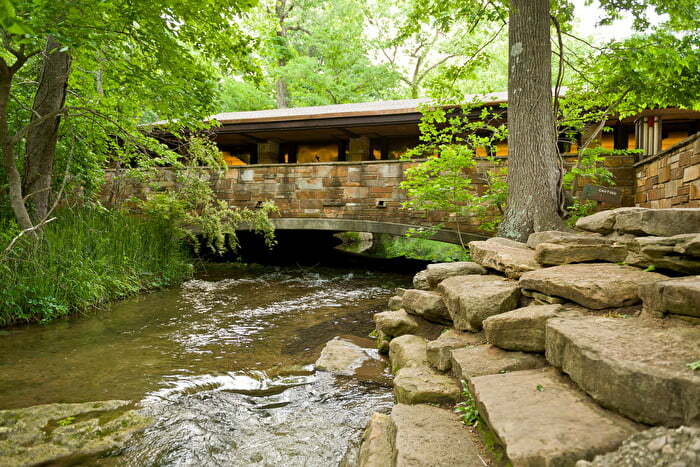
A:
(534, 165)
(42, 135)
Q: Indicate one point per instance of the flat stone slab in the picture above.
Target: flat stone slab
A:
(520, 329)
(595, 285)
(636, 368)
(659, 222)
(439, 351)
(504, 255)
(342, 357)
(680, 253)
(426, 304)
(678, 296)
(487, 359)
(472, 299)
(557, 236)
(428, 436)
(652, 448)
(438, 272)
(423, 385)
(542, 419)
(603, 221)
(46, 434)
(567, 253)
(407, 351)
(377, 447)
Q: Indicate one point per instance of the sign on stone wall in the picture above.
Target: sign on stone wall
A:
(604, 194)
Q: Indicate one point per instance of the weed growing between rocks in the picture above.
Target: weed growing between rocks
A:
(467, 408)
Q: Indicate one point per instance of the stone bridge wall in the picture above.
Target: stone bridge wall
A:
(337, 190)
(671, 179)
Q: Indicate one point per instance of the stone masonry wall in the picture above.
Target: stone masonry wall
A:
(367, 190)
(670, 179)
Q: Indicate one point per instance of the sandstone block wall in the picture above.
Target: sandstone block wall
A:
(670, 179)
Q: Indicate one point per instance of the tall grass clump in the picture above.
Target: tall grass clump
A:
(86, 257)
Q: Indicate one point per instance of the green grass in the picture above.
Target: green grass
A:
(85, 258)
(419, 248)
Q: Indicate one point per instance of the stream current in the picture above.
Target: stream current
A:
(223, 364)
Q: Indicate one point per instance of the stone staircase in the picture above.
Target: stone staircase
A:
(565, 352)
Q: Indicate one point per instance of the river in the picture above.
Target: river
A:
(222, 364)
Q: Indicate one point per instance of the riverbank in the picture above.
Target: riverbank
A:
(87, 257)
(564, 350)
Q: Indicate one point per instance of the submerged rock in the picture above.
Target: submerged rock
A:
(52, 433)
(342, 357)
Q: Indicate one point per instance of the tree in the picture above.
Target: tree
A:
(105, 66)
(535, 170)
(313, 52)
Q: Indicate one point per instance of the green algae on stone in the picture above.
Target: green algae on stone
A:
(40, 434)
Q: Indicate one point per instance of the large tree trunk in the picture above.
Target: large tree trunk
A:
(534, 167)
(281, 92)
(9, 157)
(43, 135)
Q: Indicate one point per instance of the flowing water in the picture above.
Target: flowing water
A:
(222, 364)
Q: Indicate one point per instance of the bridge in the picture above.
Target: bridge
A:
(337, 196)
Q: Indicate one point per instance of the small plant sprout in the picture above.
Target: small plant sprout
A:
(539, 387)
(467, 408)
(695, 366)
(66, 421)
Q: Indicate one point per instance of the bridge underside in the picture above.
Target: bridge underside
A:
(353, 225)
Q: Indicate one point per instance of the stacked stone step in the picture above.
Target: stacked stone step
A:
(605, 371)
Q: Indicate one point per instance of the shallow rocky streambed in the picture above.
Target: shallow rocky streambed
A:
(222, 366)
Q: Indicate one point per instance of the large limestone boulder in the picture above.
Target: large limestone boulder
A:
(377, 448)
(635, 368)
(504, 255)
(472, 299)
(566, 253)
(603, 221)
(426, 304)
(407, 351)
(48, 434)
(559, 237)
(423, 385)
(660, 222)
(652, 448)
(342, 357)
(420, 280)
(438, 272)
(487, 359)
(678, 296)
(596, 285)
(395, 323)
(543, 420)
(520, 329)
(428, 436)
(680, 253)
(439, 351)
(398, 323)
